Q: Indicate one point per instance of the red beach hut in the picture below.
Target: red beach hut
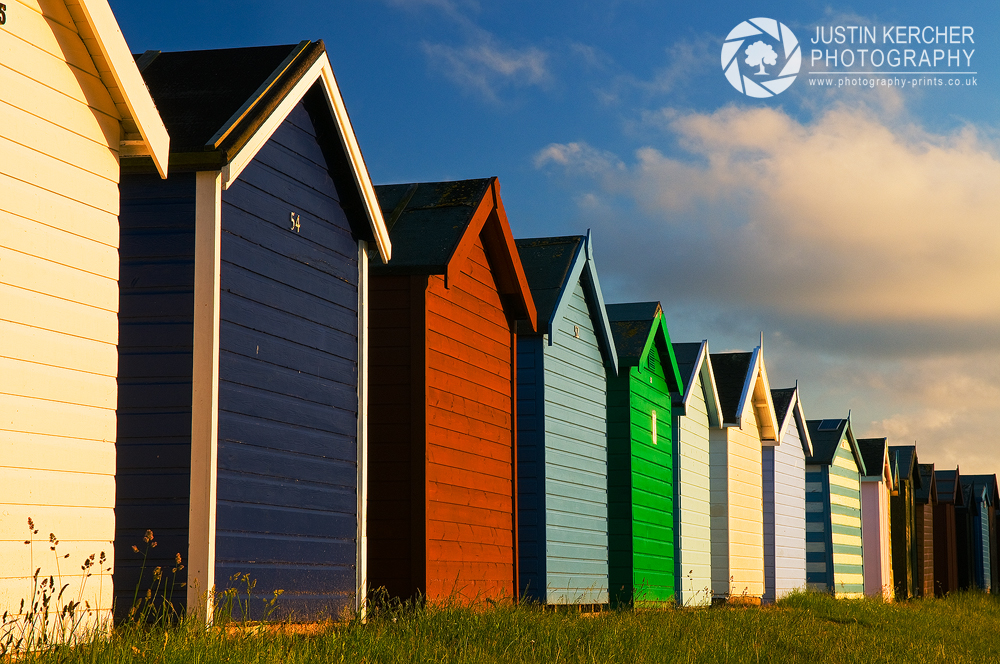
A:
(442, 398)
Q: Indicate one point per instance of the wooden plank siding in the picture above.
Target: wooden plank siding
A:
(288, 379)
(877, 538)
(154, 400)
(59, 141)
(783, 468)
(692, 516)
(470, 543)
(640, 484)
(562, 452)
(924, 522)
(945, 549)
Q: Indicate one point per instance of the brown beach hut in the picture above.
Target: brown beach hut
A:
(442, 401)
(924, 499)
(950, 497)
(903, 458)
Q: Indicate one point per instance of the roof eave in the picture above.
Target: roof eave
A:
(110, 42)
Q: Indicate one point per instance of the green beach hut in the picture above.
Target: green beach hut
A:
(640, 456)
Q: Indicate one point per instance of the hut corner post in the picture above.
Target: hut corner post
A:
(361, 596)
(205, 396)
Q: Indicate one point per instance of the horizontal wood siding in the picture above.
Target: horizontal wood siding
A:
(395, 440)
(154, 399)
(470, 502)
(531, 519)
(692, 507)
(924, 522)
(784, 516)
(576, 460)
(819, 562)
(288, 362)
(640, 486)
(877, 539)
(59, 139)
(845, 518)
(945, 549)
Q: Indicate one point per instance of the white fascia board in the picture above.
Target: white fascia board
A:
(126, 75)
(748, 384)
(602, 312)
(712, 402)
(566, 294)
(361, 591)
(762, 372)
(800, 422)
(321, 70)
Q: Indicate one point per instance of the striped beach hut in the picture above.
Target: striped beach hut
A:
(950, 498)
(442, 400)
(640, 456)
(904, 537)
(924, 500)
(562, 426)
(243, 326)
(735, 466)
(784, 482)
(74, 110)
(834, 551)
(982, 508)
(696, 412)
(876, 491)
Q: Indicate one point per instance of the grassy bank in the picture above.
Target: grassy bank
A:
(803, 628)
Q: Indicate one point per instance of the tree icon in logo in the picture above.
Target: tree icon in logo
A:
(759, 54)
(764, 41)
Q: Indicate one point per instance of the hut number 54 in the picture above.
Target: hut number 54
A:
(3, 14)
(296, 222)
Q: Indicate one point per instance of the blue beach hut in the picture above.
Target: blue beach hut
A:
(562, 443)
(243, 333)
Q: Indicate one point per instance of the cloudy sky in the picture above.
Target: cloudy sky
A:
(856, 227)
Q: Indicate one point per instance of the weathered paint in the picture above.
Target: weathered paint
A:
(876, 488)
(67, 113)
(694, 415)
(640, 457)
(442, 454)
(784, 491)
(834, 550)
(562, 429)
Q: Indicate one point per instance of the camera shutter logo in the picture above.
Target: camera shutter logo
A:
(753, 43)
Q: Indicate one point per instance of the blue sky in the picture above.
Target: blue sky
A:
(857, 228)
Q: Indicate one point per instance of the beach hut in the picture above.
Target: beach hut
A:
(784, 482)
(834, 550)
(876, 491)
(696, 412)
(984, 546)
(243, 332)
(442, 396)
(562, 426)
(902, 508)
(74, 108)
(748, 423)
(640, 456)
(950, 498)
(924, 500)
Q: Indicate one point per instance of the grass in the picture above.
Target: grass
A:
(801, 628)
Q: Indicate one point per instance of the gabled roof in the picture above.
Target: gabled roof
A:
(693, 358)
(927, 493)
(742, 380)
(788, 413)
(636, 328)
(949, 486)
(977, 491)
(875, 454)
(221, 106)
(906, 464)
(433, 225)
(553, 267)
(143, 131)
(988, 483)
(827, 436)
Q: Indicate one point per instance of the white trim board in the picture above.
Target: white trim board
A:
(320, 70)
